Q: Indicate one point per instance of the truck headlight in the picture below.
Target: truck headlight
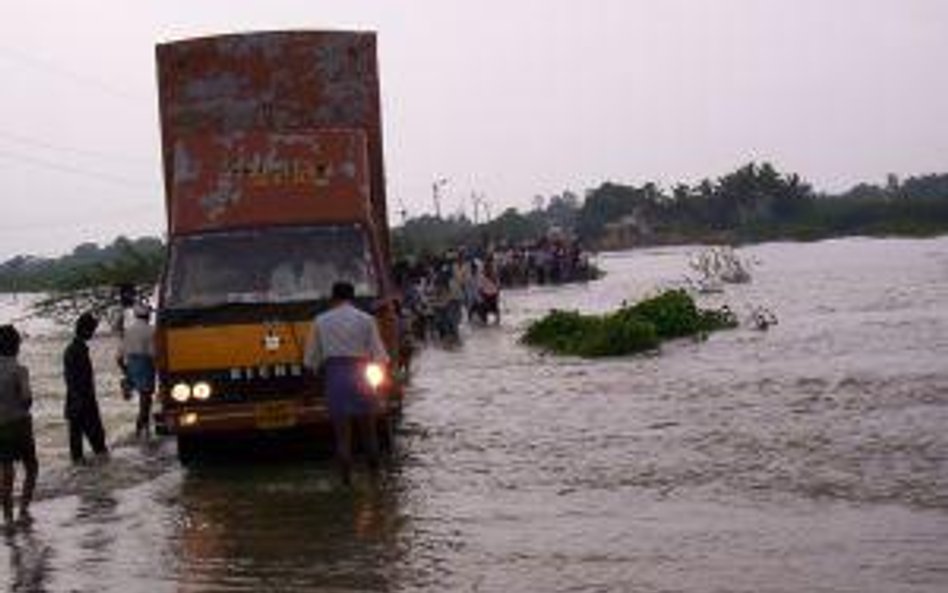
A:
(201, 390)
(181, 392)
(374, 374)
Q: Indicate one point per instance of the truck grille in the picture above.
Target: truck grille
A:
(247, 384)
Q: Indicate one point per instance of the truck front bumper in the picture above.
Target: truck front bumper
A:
(244, 417)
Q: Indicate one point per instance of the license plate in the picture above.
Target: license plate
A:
(275, 415)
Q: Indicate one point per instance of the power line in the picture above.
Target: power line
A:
(51, 67)
(40, 162)
(102, 219)
(31, 141)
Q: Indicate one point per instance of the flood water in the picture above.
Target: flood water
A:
(810, 457)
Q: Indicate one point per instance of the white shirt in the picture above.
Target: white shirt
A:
(343, 331)
(139, 338)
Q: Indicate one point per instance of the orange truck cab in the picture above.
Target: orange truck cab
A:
(274, 190)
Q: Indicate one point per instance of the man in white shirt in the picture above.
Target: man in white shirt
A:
(342, 341)
(137, 360)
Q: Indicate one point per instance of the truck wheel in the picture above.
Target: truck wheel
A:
(187, 449)
(385, 435)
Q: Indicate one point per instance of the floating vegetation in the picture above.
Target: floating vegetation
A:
(633, 328)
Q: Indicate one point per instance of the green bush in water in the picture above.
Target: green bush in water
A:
(675, 314)
(560, 331)
(631, 329)
(615, 335)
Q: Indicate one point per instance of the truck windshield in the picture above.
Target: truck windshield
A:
(267, 266)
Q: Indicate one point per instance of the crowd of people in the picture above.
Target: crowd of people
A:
(439, 291)
(546, 261)
(435, 296)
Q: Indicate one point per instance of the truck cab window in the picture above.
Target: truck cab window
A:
(291, 264)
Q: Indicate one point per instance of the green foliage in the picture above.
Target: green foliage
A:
(631, 329)
(759, 203)
(431, 235)
(617, 335)
(88, 266)
(569, 332)
(673, 313)
(86, 279)
(559, 331)
(513, 227)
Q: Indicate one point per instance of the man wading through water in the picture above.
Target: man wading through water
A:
(136, 358)
(16, 426)
(82, 409)
(343, 340)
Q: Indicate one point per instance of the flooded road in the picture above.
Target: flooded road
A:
(811, 457)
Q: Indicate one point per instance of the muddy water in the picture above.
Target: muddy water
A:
(811, 457)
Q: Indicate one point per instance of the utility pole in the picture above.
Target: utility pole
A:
(481, 206)
(486, 205)
(403, 211)
(436, 194)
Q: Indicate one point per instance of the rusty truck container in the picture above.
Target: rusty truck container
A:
(274, 189)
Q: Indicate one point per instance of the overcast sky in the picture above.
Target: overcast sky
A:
(508, 98)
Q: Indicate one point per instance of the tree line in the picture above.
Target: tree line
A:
(124, 261)
(756, 202)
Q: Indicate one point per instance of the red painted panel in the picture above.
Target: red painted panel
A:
(242, 87)
(242, 179)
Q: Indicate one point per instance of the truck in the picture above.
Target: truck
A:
(274, 190)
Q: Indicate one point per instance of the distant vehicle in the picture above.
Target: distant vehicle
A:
(272, 149)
